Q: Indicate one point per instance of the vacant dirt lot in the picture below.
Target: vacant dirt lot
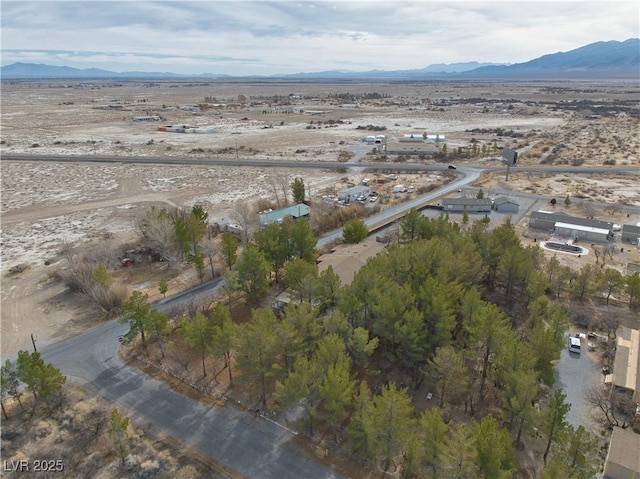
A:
(45, 205)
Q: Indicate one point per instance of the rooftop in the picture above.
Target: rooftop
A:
(572, 220)
(626, 367)
(590, 229)
(623, 450)
(467, 201)
(503, 199)
(272, 216)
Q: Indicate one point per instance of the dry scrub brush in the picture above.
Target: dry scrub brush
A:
(93, 280)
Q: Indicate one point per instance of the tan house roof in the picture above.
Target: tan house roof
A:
(623, 458)
(626, 366)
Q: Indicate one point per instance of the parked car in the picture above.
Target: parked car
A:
(574, 344)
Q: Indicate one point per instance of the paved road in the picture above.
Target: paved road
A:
(242, 441)
(309, 164)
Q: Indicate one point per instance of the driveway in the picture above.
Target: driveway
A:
(576, 374)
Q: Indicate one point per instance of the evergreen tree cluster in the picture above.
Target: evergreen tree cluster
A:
(417, 312)
(416, 317)
(30, 373)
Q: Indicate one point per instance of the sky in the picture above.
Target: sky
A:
(271, 37)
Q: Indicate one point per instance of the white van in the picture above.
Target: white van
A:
(574, 344)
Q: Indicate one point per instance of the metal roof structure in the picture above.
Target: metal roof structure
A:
(589, 229)
(501, 200)
(467, 201)
(546, 217)
(276, 216)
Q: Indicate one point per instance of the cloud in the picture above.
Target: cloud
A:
(267, 37)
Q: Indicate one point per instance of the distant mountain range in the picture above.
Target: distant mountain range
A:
(600, 60)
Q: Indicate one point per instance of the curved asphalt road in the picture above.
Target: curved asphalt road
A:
(242, 441)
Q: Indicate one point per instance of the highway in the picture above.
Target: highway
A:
(159, 160)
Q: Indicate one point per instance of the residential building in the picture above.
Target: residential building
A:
(276, 216)
(631, 234)
(626, 365)
(471, 205)
(623, 457)
(504, 204)
(547, 220)
(588, 233)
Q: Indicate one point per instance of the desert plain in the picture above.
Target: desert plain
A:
(49, 206)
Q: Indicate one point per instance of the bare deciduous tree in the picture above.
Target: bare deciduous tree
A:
(588, 210)
(612, 406)
(274, 185)
(244, 215)
(156, 229)
(106, 253)
(284, 183)
(613, 208)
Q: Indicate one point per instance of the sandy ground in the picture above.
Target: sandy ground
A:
(44, 206)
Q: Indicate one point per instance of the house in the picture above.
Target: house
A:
(471, 205)
(626, 365)
(283, 300)
(623, 457)
(349, 195)
(631, 234)
(546, 220)
(505, 205)
(276, 216)
(589, 233)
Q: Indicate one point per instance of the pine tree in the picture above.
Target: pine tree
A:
(197, 332)
(136, 312)
(554, 423)
(118, 432)
(258, 348)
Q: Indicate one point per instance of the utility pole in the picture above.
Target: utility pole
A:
(33, 341)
